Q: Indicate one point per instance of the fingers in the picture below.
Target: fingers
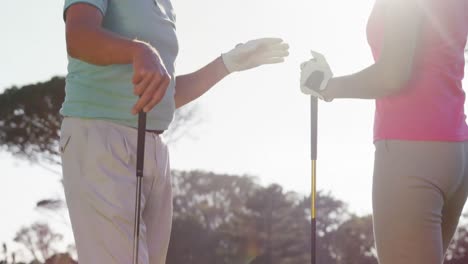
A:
(138, 77)
(157, 96)
(270, 61)
(271, 47)
(269, 57)
(150, 79)
(283, 46)
(264, 44)
(317, 62)
(266, 41)
(274, 53)
(259, 45)
(143, 82)
(147, 95)
(151, 91)
(318, 57)
(270, 54)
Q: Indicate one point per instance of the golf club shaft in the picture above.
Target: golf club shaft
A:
(136, 228)
(139, 175)
(313, 152)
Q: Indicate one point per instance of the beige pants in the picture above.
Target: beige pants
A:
(98, 161)
(419, 191)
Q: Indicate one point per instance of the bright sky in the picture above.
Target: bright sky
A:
(254, 123)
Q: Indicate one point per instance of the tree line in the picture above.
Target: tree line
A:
(218, 218)
(229, 219)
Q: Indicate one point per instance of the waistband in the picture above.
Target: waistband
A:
(157, 132)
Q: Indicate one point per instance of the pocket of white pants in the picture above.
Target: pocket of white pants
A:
(117, 144)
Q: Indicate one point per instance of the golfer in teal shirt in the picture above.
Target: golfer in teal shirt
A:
(121, 62)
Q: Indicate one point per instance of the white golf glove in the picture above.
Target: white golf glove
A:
(255, 53)
(315, 74)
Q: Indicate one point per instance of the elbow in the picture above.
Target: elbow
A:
(72, 51)
(77, 37)
(72, 39)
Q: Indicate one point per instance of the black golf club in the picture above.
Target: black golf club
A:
(314, 80)
(139, 176)
(313, 143)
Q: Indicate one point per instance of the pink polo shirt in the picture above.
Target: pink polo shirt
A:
(431, 105)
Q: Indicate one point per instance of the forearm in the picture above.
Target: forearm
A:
(371, 83)
(191, 86)
(98, 46)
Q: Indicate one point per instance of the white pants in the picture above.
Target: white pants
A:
(98, 162)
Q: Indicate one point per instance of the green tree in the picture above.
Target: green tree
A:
(212, 199)
(30, 120)
(354, 242)
(281, 225)
(331, 213)
(457, 252)
(209, 203)
(239, 220)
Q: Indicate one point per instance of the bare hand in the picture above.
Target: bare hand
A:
(150, 78)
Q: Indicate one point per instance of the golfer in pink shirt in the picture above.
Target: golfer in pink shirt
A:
(420, 182)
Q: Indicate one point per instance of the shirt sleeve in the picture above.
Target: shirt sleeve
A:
(99, 4)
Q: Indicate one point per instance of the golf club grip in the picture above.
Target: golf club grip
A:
(141, 143)
(313, 127)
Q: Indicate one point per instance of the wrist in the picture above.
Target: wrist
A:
(327, 92)
(221, 69)
(222, 65)
(227, 62)
(138, 48)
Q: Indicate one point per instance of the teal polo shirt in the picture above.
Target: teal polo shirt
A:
(106, 92)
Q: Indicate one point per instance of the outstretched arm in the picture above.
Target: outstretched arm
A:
(191, 86)
(245, 56)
